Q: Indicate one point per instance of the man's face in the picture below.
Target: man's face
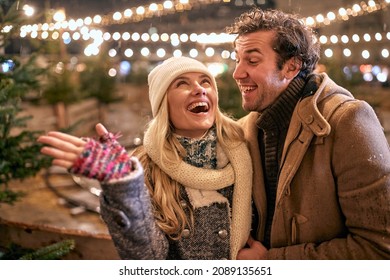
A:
(256, 72)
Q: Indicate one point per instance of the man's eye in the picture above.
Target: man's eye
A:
(253, 61)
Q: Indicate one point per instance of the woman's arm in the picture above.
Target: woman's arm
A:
(126, 209)
(125, 201)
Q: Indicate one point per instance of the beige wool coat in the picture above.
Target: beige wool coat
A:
(333, 193)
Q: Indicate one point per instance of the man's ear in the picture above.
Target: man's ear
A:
(292, 67)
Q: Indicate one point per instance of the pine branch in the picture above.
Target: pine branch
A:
(9, 197)
(51, 252)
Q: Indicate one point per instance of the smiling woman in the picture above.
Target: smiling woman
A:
(186, 192)
(192, 100)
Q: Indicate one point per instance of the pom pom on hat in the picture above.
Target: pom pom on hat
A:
(160, 78)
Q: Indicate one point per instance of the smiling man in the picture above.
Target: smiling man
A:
(321, 184)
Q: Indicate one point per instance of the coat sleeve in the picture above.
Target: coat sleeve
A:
(361, 160)
(361, 168)
(125, 207)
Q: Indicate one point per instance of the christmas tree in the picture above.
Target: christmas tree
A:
(19, 151)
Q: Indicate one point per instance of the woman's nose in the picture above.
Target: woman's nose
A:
(199, 90)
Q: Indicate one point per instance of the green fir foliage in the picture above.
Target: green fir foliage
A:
(229, 96)
(54, 251)
(20, 155)
(95, 81)
(61, 86)
(51, 252)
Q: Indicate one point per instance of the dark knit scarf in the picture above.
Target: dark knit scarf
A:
(273, 125)
(201, 152)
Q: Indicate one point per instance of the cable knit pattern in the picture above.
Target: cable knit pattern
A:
(237, 173)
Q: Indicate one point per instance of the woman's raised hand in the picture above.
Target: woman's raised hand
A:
(103, 159)
(65, 148)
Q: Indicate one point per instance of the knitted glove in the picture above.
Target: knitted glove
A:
(103, 160)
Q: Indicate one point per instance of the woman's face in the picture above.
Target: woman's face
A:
(192, 104)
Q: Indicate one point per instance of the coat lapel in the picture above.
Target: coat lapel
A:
(306, 122)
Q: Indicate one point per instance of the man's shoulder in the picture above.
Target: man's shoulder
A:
(327, 98)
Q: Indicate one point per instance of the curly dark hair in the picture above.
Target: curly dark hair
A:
(293, 38)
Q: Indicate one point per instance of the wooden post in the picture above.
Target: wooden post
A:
(60, 113)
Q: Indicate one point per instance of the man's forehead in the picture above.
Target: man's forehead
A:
(253, 42)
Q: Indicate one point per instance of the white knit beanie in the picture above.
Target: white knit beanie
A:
(162, 76)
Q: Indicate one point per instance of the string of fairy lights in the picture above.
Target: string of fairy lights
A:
(157, 45)
(89, 29)
(139, 13)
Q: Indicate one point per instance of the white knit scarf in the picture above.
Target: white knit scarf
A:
(237, 172)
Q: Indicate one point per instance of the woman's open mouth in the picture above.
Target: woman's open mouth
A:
(198, 107)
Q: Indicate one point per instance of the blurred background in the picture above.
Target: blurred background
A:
(68, 64)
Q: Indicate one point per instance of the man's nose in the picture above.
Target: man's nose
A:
(239, 72)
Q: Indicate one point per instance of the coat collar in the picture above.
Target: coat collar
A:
(310, 119)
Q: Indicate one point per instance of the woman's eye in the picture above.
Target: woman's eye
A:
(180, 83)
(206, 81)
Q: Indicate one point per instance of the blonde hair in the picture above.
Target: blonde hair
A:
(165, 192)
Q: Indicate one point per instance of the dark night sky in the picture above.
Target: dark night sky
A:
(205, 18)
(83, 8)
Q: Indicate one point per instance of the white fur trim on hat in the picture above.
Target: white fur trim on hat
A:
(162, 76)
